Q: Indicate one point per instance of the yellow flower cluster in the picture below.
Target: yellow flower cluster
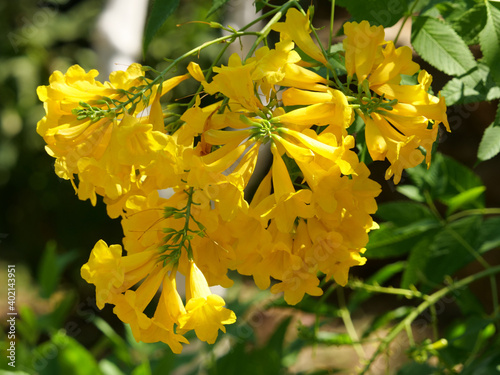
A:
(412, 122)
(264, 181)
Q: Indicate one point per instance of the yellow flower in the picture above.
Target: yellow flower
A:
(205, 312)
(235, 82)
(69, 138)
(271, 65)
(297, 28)
(134, 152)
(112, 274)
(395, 62)
(169, 308)
(362, 48)
(296, 283)
(331, 105)
(411, 123)
(333, 257)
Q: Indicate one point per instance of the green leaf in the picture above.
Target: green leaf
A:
(468, 302)
(438, 44)
(490, 143)
(51, 268)
(465, 337)
(264, 360)
(73, 358)
(489, 235)
(476, 86)
(28, 326)
(412, 192)
(417, 260)
(470, 23)
(489, 39)
(109, 368)
(216, 5)
(143, 369)
(391, 241)
(160, 11)
(484, 366)
(445, 179)
(457, 178)
(48, 277)
(60, 313)
(374, 11)
(121, 349)
(464, 198)
(403, 213)
(450, 250)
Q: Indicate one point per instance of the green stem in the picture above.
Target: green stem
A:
(484, 263)
(322, 299)
(160, 78)
(346, 317)
(267, 29)
(432, 206)
(410, 12)
(185, 230)
(430, 300)
(332, 19)
(472, 212)
(386, 290)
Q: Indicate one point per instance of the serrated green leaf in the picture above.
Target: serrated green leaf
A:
(160, 11)
(216, 5)
(490, 143)
(476, 86)
(374, 11)
(464, 198)
(438, 44)
(489, 39)
(452, 10)
(470, 23)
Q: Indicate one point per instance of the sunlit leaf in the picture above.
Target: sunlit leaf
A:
(440, 46)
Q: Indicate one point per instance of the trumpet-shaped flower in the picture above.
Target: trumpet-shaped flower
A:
(111, 273)
(205, 312)
(297, 27)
